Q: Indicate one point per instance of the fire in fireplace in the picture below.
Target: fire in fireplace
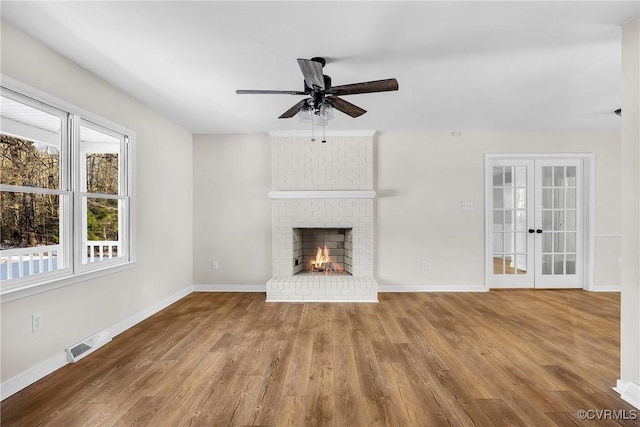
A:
(322, 250)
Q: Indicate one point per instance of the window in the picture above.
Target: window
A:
(65, 200)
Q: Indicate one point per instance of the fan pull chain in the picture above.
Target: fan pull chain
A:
(313, 127)
(324, 140)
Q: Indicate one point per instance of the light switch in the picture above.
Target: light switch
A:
(467, 206)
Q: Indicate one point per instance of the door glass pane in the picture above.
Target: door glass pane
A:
(558, 264)
(558, 176)
(521, 243)
(571, 176)
(521, 176)
(521, 220)
(558, 198)
(547, 172)
(509, 244)
(558, 242)
(547, 242)
(497, 176)
(571, 264)
(497, 242)
(547, 202)
(509, 264)
(508, 176)
(498, 264)
(521, 263)
(571, 242)
(497, 198)
(571, 220)
(508, 221)
(521, 198)
(498, 220)
(508, 198)
(547, 220)
(546, 264)
(558, 220)
(570, 201)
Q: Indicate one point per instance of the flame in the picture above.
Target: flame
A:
(322, 258)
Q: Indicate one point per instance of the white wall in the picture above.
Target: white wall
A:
(164, 215)
(421, 180)
(630, 306)
(232, 211)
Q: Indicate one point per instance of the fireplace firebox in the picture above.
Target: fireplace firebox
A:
(322, 251)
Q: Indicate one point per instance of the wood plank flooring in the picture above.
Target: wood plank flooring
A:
(502, 358)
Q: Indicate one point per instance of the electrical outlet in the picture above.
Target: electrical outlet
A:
(214, 265)
(36, 322)
(424, 265)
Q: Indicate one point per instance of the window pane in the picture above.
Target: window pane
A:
(28, 163)
(102, 239)
(498, 264)
(30, 234)
(101, 161)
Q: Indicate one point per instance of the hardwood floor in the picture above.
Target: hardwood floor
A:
(508, 357)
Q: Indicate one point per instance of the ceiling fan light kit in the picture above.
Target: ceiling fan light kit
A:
(322, 97)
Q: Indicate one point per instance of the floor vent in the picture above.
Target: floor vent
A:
(88, 345)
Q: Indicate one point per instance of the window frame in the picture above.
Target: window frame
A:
(71, 195)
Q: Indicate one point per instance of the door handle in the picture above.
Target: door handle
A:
(538, 231)
(531, 231)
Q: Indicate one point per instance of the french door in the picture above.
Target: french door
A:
(535, 220)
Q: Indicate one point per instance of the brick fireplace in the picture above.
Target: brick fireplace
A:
(322, 189)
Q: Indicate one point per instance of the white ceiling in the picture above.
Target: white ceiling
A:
(461, 66)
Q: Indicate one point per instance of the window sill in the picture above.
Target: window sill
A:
(31, 289)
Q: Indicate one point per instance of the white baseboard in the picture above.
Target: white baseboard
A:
(428, 288)
(308, 301)
(41, 370)
(629, 392)
(25, 379)
(603, 289)
(138, 317)
(230, 288)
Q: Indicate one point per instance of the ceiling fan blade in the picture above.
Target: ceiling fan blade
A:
(365, 87)
(270, 92)
(312, 72)
(293, 110)
(346, 107)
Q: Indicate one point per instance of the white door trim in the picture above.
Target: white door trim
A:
(588, 209)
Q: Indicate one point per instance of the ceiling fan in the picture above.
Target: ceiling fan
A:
(321, 96)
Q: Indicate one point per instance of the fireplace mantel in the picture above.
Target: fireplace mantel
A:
(323, 194)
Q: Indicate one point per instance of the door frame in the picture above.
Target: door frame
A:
(588, 206)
